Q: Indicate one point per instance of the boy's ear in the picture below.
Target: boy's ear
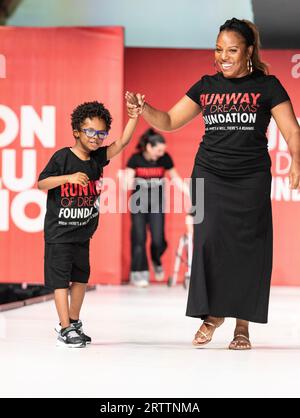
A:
(75, 134)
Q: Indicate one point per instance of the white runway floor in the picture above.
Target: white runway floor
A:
(142, 347)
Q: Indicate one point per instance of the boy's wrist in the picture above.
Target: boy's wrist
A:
(66, 178)
(136, 116)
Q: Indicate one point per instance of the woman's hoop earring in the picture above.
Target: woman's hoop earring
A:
(249, 65)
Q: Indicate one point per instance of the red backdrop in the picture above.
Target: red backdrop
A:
(44, 74)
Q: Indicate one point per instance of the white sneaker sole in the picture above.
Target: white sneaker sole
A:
(140, 283)
(160, 277)
(62, 344)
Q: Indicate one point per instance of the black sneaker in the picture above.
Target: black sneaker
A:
(78, 326)
(69, 337)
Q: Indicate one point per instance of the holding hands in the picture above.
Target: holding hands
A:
(135, 103)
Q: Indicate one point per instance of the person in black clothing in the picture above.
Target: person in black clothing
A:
(232, 251)
(73, 180)
(146, 169)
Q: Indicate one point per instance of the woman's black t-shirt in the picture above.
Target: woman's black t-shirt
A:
(72, 211)
(149, 180)
(236, 113)
(147, 169)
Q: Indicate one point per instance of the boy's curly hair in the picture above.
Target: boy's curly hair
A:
(90, 110)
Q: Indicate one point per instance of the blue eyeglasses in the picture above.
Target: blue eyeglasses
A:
(92, 133)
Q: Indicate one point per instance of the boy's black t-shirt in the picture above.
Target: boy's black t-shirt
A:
(236, 112)
(72, 214)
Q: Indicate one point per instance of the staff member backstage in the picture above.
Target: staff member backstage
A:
(145, 173)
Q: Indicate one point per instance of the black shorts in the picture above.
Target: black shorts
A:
(65, 263)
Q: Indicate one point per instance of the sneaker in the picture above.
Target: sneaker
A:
(69, 338)
(78, 327)
(159, 272)
(139, 278)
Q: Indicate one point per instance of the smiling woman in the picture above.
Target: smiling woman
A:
(232, 252)
(237, 49)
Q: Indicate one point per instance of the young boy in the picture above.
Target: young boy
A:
(71, 178)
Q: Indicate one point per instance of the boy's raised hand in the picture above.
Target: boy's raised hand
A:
(78, 178)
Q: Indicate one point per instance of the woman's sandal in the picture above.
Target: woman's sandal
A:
(207, 335)
(236, 343)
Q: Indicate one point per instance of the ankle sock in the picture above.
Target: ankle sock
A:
(72, 321)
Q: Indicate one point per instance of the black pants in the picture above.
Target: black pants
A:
(139, 222)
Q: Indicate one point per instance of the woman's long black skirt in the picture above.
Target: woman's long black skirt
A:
(232, 252)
